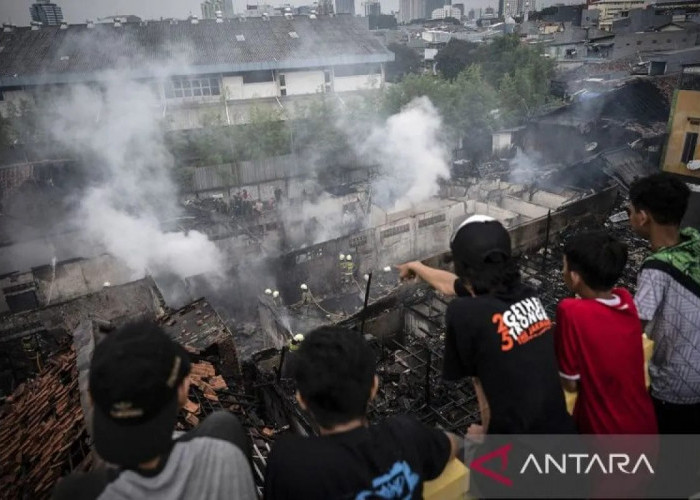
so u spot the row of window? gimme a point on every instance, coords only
(192, 87)
(183, 87)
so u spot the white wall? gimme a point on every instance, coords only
(235, 89)
(501, 141)
(358, 82)
(304, 82)
(258, 90)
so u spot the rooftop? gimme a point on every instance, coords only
(160, 48)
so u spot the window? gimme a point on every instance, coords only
(258, 77)
(283, 81)
(283, 92)
(691, 141)
(327, 76)
(192, 87)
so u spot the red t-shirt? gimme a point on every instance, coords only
(599, 344)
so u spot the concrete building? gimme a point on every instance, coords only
(46, 13)
(641, 20)
(345, 7)
(373, 8)
(232, 64)
(410, 10)
(211, 7)
(446, 11)
(682, 153)
(614, 9)
(630, 44)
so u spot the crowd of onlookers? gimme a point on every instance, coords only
(497, 333)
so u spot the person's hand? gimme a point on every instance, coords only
(405, 271)
(476, 433)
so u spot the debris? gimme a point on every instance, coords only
(191, 407)
(619, 217)
(203, 369)
(217, 383)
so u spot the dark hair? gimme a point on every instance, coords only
(664, 196)
(491, 277)
(335, 370)
(598, 257)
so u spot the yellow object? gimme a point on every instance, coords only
(452, 484)
(647, 345)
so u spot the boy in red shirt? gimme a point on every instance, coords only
(598, 340)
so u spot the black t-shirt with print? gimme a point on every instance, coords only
(387, 460)
(506, 341)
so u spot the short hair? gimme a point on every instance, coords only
(664, 196)
(597, 257)
(491, 277)
(334, 372)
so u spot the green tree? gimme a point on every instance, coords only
(266, 134)
(406, 61)
(456, 56)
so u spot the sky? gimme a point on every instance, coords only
(77, 11)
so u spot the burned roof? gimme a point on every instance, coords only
(197, 326)
(161, 48)
(43, 431)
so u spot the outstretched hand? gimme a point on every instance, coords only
(405, 271)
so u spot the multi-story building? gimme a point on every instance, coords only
(614, 9)
(445, 12)
(211, 7)
(410, 10)
(682, 152)
(345, 7)
(232, 65)
(373, 8)
(46, 13)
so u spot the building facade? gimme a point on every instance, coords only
(234, 65)
(682, 153)
(410, 10)
(211, 7)
(630, 44)
(614, 9)
(46, 13)
(373, 8)
(345, 7)
(445, 12)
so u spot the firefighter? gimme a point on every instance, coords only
(296, 341)
(349, 270)
(341, 267)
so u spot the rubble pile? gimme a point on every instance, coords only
(43, 432)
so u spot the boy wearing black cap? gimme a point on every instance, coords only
(498, 333)
(335, 376)
(138, 382)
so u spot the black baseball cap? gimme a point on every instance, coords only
(134, 379)
(480, 240)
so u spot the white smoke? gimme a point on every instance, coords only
(411, 154)
(525, 167)
(117, 131)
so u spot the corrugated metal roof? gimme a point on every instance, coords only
(79, 53)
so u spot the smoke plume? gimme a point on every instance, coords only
(411, 155)
(117, 132)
